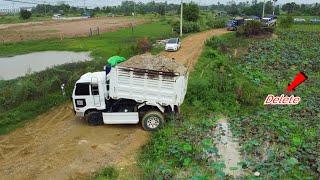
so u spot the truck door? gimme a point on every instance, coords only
(95, 92)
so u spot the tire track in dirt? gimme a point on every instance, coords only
(56, 145)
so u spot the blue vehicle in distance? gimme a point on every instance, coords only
(233, 24)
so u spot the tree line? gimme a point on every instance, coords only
(231, 8)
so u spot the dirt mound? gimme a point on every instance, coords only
(157, 63)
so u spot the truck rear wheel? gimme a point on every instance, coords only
(94, 118)
(152, 121)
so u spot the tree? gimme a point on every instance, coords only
(233, 9)
(161, 9)
(191, 12)
(290, 7)
(25, 14)
(127, 7)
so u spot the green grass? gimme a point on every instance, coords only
(24, 98)
(306, 27)
(16, 19)
(108, 173)
(277, 141)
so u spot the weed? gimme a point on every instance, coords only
(109, 173)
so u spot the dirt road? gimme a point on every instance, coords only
(192, 47)
(62, 28)
(58, 146)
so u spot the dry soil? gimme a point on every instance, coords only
(63, 28)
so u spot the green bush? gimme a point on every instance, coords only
(144, 45)
(108, 173)
(216, 23)
(187, 27)
(251, 28)
(286, 22)
(25, 14)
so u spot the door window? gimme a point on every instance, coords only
(94, 89)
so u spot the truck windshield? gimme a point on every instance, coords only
(82, 89)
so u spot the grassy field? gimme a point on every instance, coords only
(11, 19)
(306, 27)
(277, 141)
(26, 97)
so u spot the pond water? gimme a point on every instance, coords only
(20, 65)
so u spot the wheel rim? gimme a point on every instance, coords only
(153, 122)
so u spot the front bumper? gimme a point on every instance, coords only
(171, 48)
(80, 114)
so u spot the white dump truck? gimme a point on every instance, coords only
(129, 95)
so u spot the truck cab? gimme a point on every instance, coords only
(90, 92)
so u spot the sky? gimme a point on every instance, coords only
(94, 3)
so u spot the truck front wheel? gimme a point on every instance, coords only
(94, 118)
(152, 120)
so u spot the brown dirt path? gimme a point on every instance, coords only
(57, 146)
(191, 47)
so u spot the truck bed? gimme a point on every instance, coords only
(141, 85)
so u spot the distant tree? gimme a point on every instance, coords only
(162, 9)
(233, 9)
(290, 7)
(127, 7)
(25, 14)
(191, 12)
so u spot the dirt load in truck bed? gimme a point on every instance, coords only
(156, 63)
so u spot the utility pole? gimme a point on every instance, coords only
(263, 9)
(181, 14)
(274, 6)
(45, 8)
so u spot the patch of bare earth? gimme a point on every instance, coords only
(228, 148)
(63, 28)
(55, 145)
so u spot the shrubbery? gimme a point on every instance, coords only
(25, 14)
(187, 27)
(253, 28)
(250, 28)
(216, 23)
(144, 45)
(286, 22)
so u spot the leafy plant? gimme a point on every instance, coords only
(109, 173)
(286, 22)
(187, 27)
(25, 14)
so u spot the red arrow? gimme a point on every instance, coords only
(300, 78)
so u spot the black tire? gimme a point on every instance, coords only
(152, 121)
(95, 118)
